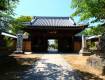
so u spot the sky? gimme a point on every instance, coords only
(44, 8)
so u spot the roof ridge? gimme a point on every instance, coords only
(51, 17)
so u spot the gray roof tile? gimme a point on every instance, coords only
(52, 21)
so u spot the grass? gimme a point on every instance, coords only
(79, 64)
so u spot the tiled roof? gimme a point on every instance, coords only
(51, 21)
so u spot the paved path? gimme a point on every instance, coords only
(50, 67)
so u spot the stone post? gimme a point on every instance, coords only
(83, 42)
(19, 45)
(83, 47)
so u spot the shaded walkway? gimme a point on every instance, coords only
(50, 67)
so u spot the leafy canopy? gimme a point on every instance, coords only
(92, 11)
(98, 30)
(6, 13)
(87, 9)
(17, 24)
(8, 5)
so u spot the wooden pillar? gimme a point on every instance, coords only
(59, 45)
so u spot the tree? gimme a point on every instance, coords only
(88, 9)
(6, 11)
(17, 24)
(8, 6)
(94, 31)
(95, 10)
(92, 11)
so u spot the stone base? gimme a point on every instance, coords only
(18, 51)
(84, 53)
(27, 53)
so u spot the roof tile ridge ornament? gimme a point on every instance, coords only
(74, 23)
(33, 20)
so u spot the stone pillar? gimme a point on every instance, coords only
(19, 45)
(84, 47)
(83, 42)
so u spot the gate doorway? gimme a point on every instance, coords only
(44, 29)
(52, 45)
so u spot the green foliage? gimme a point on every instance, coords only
(17, 23)
(24, 18)
(6, 11)
(56, 44)
(8, 5)
(92, 11)
(14, 26)
(8, 42)
(94, 31)
(87, 9)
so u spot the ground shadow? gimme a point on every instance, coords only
(87, 76)
(11, 69)
(49, 71)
